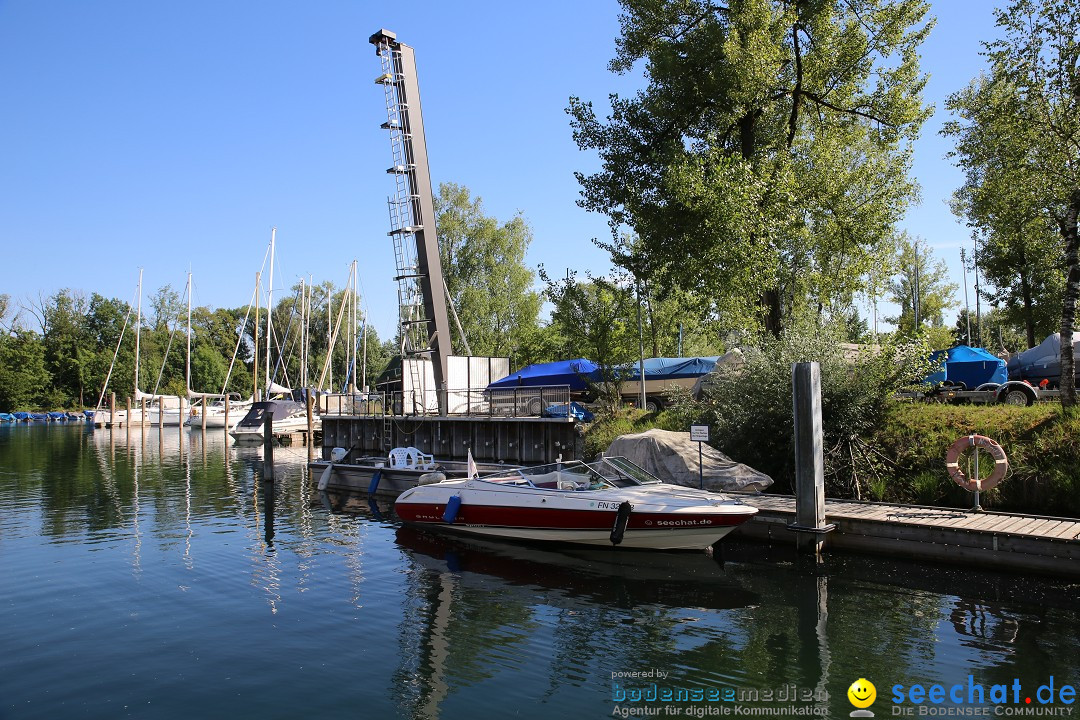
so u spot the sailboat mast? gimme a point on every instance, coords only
(138, 326)
(303, 318)
(270, 307)
(330, 334)
(255, 341)
(355, 323)
(307, 331)
(363, 376)
(187, 361)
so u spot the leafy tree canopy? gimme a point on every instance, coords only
(484, 267)
(766, 161)
(1018, 138)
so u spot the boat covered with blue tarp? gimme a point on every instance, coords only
(667, 368)
(967, 365)
(563, 372)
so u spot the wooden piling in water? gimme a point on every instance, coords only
(307, 439)
(268, 446)
(809, 458)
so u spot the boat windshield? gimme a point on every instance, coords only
(604, 474)
(623, 472)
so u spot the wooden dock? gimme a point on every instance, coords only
(1003, 541)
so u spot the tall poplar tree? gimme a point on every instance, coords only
(1018, 138)
(483, 263)
(766, 161)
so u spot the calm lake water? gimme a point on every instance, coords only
(148, 577)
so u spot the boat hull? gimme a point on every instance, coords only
(695, 538)
(283, 426)
(661, 518)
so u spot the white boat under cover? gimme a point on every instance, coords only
(610, 502)
(289, 417)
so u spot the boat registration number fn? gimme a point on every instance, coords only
(602, 505)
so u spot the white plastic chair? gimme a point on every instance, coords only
(399, 458)
(421, 461)
(409, 458)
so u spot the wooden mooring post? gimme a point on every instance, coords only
(809, 459)
(268, 446)
(309, 439)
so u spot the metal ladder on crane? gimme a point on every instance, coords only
(405, 221)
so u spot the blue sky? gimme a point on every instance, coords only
(175, 135)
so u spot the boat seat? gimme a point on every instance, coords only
(555, 481)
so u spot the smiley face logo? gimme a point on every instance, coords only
(862, 693)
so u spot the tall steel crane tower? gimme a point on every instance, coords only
(422, 316)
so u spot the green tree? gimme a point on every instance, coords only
(105, 323)
(595, 319)
(677, 321)
(220, 329)
(1026, 113)
(5, 306)
(208, 368)
(766, 162)
(484, 266)
(1018, 244)
(1000, 333)
(24, 378)
(923, 292)
(67, 350)
(162, 361)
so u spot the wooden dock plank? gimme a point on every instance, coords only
(1067, 530)
(869, 513)
(969, 521)
(1037, 527)
(978, 521)
(1047, 528)
(990, 538)
(1012, 524)
(943, 519)
(852, 510)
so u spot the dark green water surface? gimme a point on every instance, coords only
(164, 576)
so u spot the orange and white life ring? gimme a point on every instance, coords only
(952, 458)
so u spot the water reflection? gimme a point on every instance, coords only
(610, 576)
(185, 560)
(795, 630)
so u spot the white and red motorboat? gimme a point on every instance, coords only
(610, 502)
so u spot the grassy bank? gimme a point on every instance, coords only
(903, 460)
(1042, 443)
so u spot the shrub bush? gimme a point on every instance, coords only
(749, 408)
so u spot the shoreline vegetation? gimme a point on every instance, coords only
(903, 460)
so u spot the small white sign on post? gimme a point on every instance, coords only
(699, 434)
